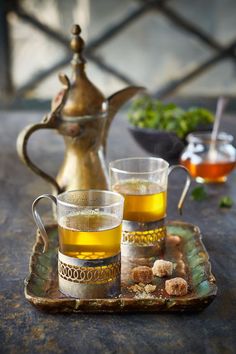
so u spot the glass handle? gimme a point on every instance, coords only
(38, 220)
(186, 186)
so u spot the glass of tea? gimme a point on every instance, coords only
(207, 161)
(89, 231)
(143, 184)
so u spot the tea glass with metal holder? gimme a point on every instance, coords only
(143, 182)
(89, 230)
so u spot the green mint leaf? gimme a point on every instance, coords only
(198, 193)
(226, 202)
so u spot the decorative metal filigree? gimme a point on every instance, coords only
(89, 275)
(145, 238)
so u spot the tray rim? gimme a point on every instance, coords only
(149, 304)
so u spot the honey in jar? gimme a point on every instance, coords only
(206, 165)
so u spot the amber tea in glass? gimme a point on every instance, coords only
(89, 223)
(143, 184)
(89, 229)
(144, 200)
(89, 236)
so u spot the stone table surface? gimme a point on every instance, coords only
(23, 329)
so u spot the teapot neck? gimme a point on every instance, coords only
(78, 71)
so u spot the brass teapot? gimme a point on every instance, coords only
(83, 116)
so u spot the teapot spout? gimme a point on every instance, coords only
(115, 102)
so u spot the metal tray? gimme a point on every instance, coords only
(189, 255)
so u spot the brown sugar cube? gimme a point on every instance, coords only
(162, 268)
(176, 286)
(173, 240)
(142, 274)
(181, 268)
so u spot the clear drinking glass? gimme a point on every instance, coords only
(143, 183)
(89, 231)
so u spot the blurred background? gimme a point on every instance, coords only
(181, 50)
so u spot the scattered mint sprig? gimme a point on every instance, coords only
(199, 193)
(226, 202)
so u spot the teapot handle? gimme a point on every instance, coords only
(48, 122)
(22, 142)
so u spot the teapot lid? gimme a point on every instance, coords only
(84, 98)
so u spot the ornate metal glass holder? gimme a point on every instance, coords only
(143, 239)
(91, 279)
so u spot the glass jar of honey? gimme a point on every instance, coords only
(209, 161)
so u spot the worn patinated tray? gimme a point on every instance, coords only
(189, 255)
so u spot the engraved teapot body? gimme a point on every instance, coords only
(82, 115)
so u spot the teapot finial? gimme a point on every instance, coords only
(77, 45)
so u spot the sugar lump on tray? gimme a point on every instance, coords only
(142, 274)
(176, 286)
(149, 288)
(141, 287)
(162, 268)
(173, 240)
